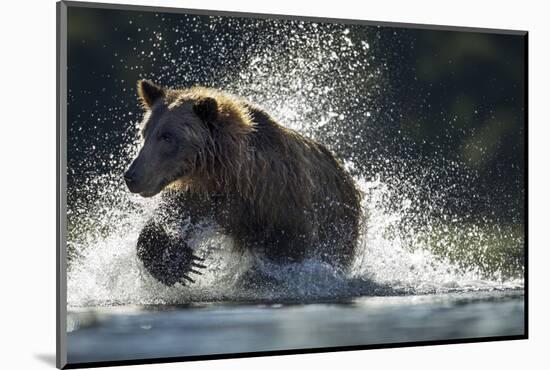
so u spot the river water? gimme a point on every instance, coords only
(156, 331)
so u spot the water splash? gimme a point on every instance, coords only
(107, 271)
(309, 76)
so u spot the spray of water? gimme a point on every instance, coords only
(309, 76)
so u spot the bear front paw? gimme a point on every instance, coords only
(169, 260)
(177, 263)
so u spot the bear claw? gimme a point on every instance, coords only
(193, 269)
(186, 278)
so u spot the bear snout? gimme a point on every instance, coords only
(137, 184)
(130, 177)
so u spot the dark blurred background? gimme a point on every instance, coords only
(444, 108)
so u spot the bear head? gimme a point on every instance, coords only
(176, 130)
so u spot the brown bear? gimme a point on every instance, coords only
(275, 192)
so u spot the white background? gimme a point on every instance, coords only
(27, 182)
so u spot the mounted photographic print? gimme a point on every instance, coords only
(235, 184)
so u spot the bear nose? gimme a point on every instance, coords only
(129, 177)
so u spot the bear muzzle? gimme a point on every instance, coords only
(137, 186)
(133, 181)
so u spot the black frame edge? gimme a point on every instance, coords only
(148, 8)
(526, 187)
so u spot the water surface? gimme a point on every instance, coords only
(156, 331)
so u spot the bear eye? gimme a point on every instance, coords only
(166, 136)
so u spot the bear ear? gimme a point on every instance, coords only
(149, 92)
(206, 108)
